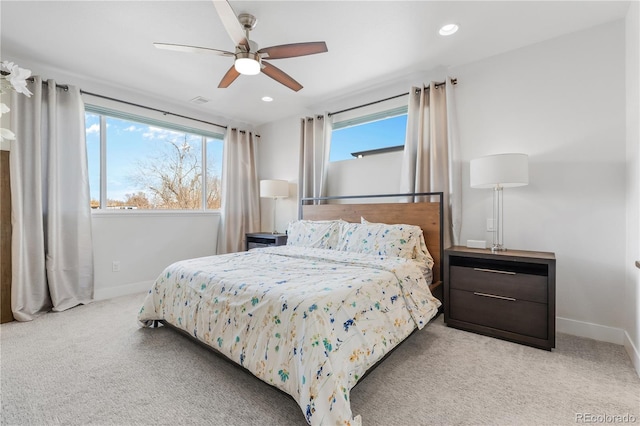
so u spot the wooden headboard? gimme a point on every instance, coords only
(426, 215)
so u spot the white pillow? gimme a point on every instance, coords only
(314, 233)
(380, 239)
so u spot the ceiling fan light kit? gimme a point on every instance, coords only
(247, 63)
(248, 58)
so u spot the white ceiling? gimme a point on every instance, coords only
(369, 42)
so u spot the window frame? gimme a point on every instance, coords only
(110, 112)
(390, 108)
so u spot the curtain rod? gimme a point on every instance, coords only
(83, 92)
(150, 108)
(45, 82)
(454, 81)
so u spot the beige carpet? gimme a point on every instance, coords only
(94, 365)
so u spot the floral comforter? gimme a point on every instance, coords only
(308, 321)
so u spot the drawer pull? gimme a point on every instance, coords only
(493, 296)
(495, 271)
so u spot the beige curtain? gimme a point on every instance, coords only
(240, 194)
(431, 161)
(52, 249)
(315, 140)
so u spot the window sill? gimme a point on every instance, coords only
(152, 213)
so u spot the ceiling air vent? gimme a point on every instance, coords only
(199, 100)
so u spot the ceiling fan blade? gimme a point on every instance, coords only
(228, 78)
(294, 49)
(192, 49)
(231, 23)
(280, 76)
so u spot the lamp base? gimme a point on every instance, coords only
(498, 247)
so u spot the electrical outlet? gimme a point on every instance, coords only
(115, 266)
(490, 227)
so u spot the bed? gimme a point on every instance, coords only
(313, 317)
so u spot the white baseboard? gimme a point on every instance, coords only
(602, 333)
(122, 290)
(633, 352)
(589, 330)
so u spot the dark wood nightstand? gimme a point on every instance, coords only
(264, 239)
(510, 295)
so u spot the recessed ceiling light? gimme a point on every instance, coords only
(448, 29)
(267, 98)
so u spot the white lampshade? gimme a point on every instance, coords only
(504, 170)
(274, 188)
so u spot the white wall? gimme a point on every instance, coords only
(563, 103)
(278, 155)
(557, 103)
(631, 295)
(145, 243)
(354, 177)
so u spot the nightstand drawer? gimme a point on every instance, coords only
(252, 245)
(500, 282)
(517, 316)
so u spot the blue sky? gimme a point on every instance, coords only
(128, 145)
(372, 135)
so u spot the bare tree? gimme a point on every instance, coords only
(173, 180)
(214, 189)
(139, 200)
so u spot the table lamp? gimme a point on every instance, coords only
(498, 172)
(274, 189)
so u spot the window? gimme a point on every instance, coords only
(377, 132)
(135, 163)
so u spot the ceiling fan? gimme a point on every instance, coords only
(249, 59)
